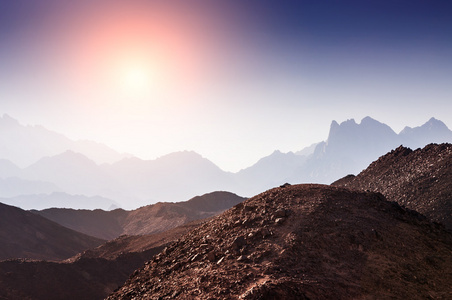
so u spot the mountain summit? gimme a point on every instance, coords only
(24, 145)
(351, 147)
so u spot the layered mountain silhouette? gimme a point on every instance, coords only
(303, 242)
(293, 242)
(149, 219)
(92, 274)
(27, 235)
(96, 272)
(420, 180)
(131, 182)
(41, 201)
(24, 145)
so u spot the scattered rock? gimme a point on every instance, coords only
(420, 180)
(334, 244)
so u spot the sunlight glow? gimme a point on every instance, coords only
(135, 79)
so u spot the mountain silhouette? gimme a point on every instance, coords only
(351, 147)
(24, 145)
(148, 219)
(434, 131)
(40, 201)
(27, 235)
(133, 182)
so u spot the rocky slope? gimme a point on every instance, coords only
(420, 180)
(303, 242)
(27, 235)
(145, 220)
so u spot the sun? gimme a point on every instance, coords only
(135, 79)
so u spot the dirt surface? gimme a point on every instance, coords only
(303, 242)
(420, 180)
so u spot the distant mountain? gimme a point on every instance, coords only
(149, 219)
(269, 172)
(58, 199)
(8, 169)
(434, 131)
(173, 177)
(27, 235)
(74, 173)
(24, 145)
(303, 242)
(351, 147)
(420, 180)
(15, 187)
(133, 182)
(307, 150)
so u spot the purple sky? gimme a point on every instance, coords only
(231, 80)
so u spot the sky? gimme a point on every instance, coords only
(232, 80)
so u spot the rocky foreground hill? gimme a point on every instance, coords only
(303, 242)
(420, 180)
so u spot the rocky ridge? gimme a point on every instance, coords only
(420, 180)
(148, 219)
(303, 242)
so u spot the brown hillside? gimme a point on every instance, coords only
(149, 219)
(420, 180)
(93, 274)
(27, 235)
(303, 242)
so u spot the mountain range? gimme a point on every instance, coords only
(148, 219)
(130, 182)
(87, 271)
(308, 241)
(24, 145)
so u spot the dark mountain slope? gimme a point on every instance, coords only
(93, 274)
(303, 242)
(27, 235)
(99, 223)
(420, 180)
(144, 220)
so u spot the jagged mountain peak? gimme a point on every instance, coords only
(431, 124)
(435, 123)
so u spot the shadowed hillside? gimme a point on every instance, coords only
(27, 235)
(145, 220)
(93, 274)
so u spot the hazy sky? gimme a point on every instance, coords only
(232, 80)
